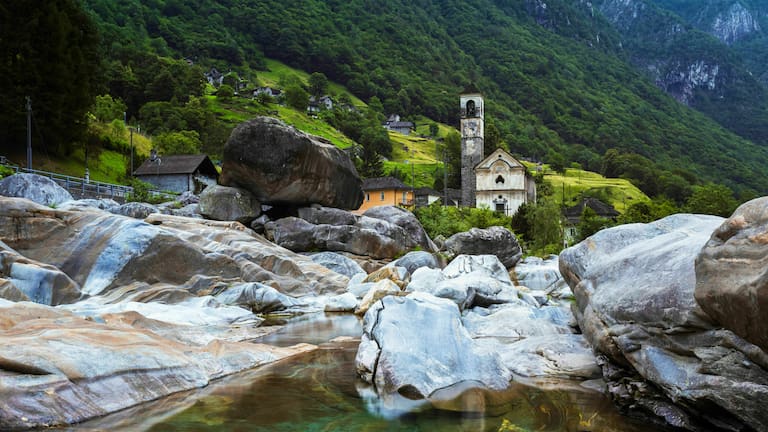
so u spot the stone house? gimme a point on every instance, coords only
(503, 184)
(178, 173)
(381, 191)
(214, 77)
(318, 104)
(393, 123)
(269, 91)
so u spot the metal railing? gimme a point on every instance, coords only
(81, 187)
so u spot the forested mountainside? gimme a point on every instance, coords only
(554, 73)
(691, 59)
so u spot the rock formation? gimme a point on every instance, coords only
(229, 204)
(328, 229)
(495, 240)
(39, 189)
(732, 273)
(283, 166)
(634, 288)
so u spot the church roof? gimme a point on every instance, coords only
(498, 154)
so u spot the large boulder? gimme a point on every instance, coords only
(634, 289)
(732, 273)
(39, 189)
(381, 241)
(224, 203)
(405, 220)
(338, 263)
(281, 165)
(416, 345)
(495, 240)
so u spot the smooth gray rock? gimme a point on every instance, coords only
(338, 263)
(299, 235)
(189, 210)
(415, 260)
(517, 321)
(346, 302)
(540, 275)
(229, 204)
(469, 280)
(405, 220)
(416, 345)
(89, 203)
(358, 286)
(281, 165)
(732, 273)
(259, 298)
(489, 265)
(40, 283)
(566, 356)
(39, 189)
(136, 210)
(634, 288)
(495, 240)
(319, 215)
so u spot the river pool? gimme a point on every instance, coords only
(319, 391)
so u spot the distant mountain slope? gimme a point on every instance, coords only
(694, 67)
(742, 24)
(554, 77)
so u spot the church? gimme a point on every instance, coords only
(499, 182)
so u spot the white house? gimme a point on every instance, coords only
(503, 184)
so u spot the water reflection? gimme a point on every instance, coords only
(319, 391)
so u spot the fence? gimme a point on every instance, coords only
(84, 188)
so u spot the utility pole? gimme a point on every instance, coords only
(131, 130)
(29, 133)
(445, 177)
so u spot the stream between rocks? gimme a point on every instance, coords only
(319, 391)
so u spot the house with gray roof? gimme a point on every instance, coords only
(178, 173)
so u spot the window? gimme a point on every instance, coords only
(499, 179)
(367, 196)
(405, 197)
(471, 110)
(382, 196)
(500, 207)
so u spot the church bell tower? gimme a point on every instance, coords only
(472, 147)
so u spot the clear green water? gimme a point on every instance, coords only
(319, 391)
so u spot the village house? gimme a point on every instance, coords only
(318, 104)
(503, 184)
(381, 191)
(425, 196)
(573, 215)
(214, 77)
(393, 123)
(269, 91)
(178, 173)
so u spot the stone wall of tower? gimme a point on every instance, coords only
(472, 143)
